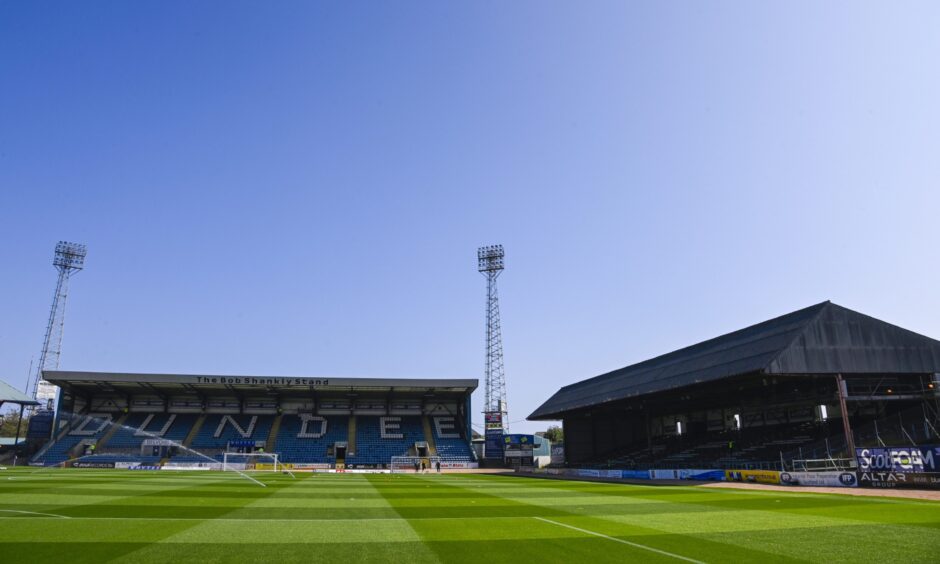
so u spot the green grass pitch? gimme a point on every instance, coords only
(71, 516)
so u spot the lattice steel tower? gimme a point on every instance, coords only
(69, 259)
(490, 264)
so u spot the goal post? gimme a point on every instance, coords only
(250, 461)
(404, 464)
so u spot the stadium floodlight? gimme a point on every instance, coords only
(69, 258)
(69, 255)
(490, 259)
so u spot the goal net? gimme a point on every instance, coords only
(402, 464)
(254, 461)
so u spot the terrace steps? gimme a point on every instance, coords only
(351, 439)
(429, 435)
(271, 443)
(103, 441)
(195, 430)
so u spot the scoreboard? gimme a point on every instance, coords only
(493, 446)
(518, 449)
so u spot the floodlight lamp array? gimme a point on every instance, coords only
(69, 255)
(490, 259)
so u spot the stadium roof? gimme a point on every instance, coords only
(822, 339)
(162, 384)
(9, 394)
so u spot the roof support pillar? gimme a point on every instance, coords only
(593, 435)
(564, 439)
(16, 441)
(846, 424)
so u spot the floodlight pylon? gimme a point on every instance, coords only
(69, 258)
(490, 263)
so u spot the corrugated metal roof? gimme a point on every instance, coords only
(10, 394)
(822, 339)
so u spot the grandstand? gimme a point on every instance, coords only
(812, 385)
(172, 420)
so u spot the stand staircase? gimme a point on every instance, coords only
(270, 444)
(189, 438)
(111, 430)
(429, 435)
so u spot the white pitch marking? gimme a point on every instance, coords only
(238, 520)
(615, 539)
(33, 513)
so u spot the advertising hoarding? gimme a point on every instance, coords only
(311, 466)
(899, 459)
(458, 465)
(829, 479)
(81, 464)
(758, 476)
(688, 474)
(916, 480)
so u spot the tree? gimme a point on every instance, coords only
(555, 434)
(9, 420)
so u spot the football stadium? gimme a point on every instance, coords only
(808, 437)
(279, 351)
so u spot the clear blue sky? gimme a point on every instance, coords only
(300, 189)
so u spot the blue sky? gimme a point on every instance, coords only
(300, 189)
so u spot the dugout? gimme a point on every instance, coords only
(815, 383)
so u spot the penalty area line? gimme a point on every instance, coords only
(615, 539)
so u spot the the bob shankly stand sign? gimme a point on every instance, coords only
(263, 381)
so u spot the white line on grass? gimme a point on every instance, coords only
(615, 539)
(33, 513)
(276, 520)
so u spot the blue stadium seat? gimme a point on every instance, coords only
(294, 449)
(113, 458)
(83, 427)
(373, 448)
(213, 446)
(127, 439)
(449, 447)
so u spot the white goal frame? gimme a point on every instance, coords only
(406, 464)
(228, 465)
